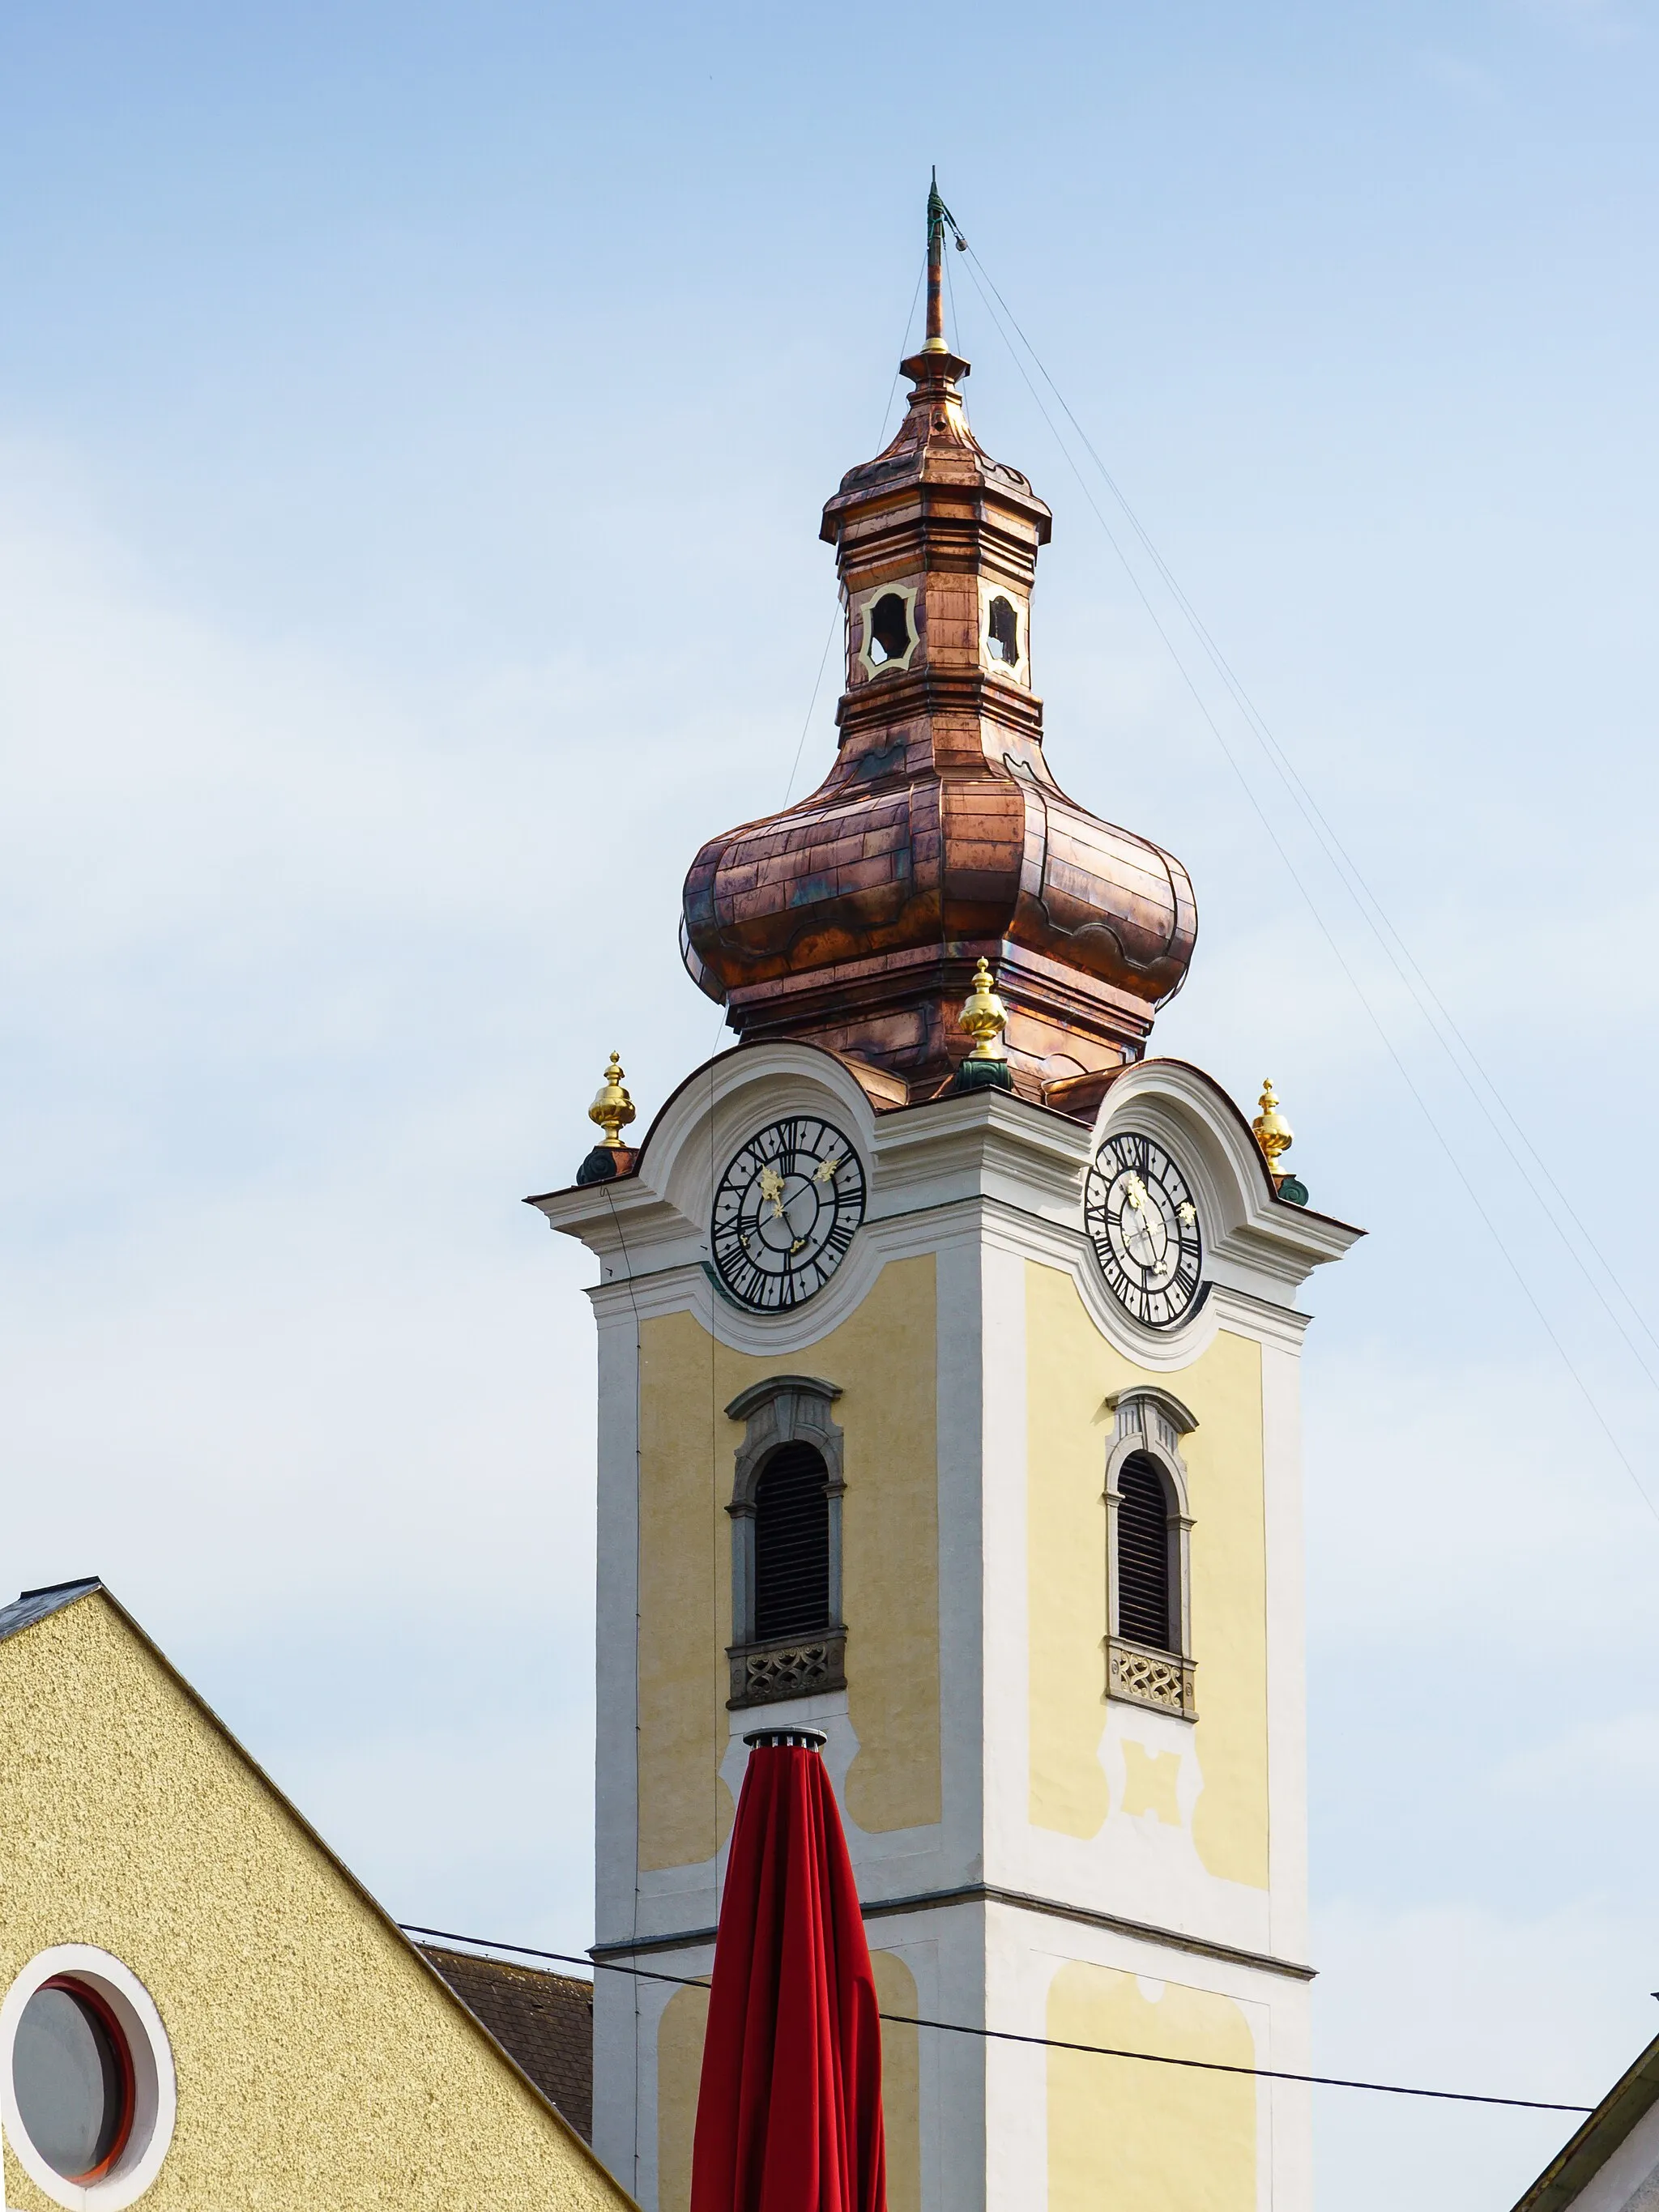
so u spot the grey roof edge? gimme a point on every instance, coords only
(1628, 2100)
(32, 1605)
(64, 1595)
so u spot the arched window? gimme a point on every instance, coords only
(1149, 1629)
(1146, 1607)
(788, 1639)
(792, 1544)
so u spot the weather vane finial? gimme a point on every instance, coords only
(935, 341)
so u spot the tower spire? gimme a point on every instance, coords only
(935, 341)
(939, 838)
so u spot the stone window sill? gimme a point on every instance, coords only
(1162, 1680)
(789, 1667)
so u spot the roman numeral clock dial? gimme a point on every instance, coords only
(786, 1211)
(1142, 1221)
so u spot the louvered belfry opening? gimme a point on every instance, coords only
(1144, 1614)
(792, 1544)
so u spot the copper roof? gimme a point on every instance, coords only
(855, 917)
(545, 2023)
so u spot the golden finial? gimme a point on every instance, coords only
(612, 1107)
(984, 1017)
(1272, 1132)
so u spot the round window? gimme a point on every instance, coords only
(72, 2075)
(88, 2092)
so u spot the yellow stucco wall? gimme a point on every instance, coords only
(319, 2062)
(901, 2081)
(679, 2068)
(1070, 1370)
(1171, 2140)
(884, 1358)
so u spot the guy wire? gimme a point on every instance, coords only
(1040, 2042)
(1290, 869)
(1371, 908)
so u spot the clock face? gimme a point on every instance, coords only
(1142, 1220)
(785, 1212)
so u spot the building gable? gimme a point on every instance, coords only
(319, 2058)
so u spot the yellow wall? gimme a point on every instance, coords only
(901, 2081)
(1070, 1370)
(885, 1357)
(319, 2062)
(1171, 2140)
(679, 2067)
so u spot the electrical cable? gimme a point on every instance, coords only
(1290, 869)
(1040, 2042)
(1370, 907)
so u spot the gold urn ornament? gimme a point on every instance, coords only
(612, 1107)
(984, 1018)
(611, 1111)
(1275, 1136)
(983, 1014)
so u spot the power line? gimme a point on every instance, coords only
(975, 268)
(1371, 910)
(1040, 2042)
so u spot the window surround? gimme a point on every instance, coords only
(1011, 671)
(784, 1409)
(863, 607)
(154, 2087)
(1150, 1424)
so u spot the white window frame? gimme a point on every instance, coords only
(154, 2087)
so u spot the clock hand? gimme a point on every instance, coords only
(771, 1183)
(826, 1169)
(1142, 1232)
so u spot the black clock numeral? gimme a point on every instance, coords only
(1151, 1253)
(763, 1269)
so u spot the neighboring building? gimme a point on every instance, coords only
(1611, 2164)
(545, 2023)
(949, 1399)
(203, 2007)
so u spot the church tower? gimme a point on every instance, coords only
(949, 1401)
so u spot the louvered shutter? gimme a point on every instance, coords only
(792, 1544)
(1144, 1614)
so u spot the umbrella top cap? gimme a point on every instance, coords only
(770, 1739)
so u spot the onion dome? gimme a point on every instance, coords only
(857, 917)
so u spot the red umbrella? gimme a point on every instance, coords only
(789, 2110)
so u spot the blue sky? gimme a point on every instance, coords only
(413, 426)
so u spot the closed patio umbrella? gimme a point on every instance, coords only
(789, 2109)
